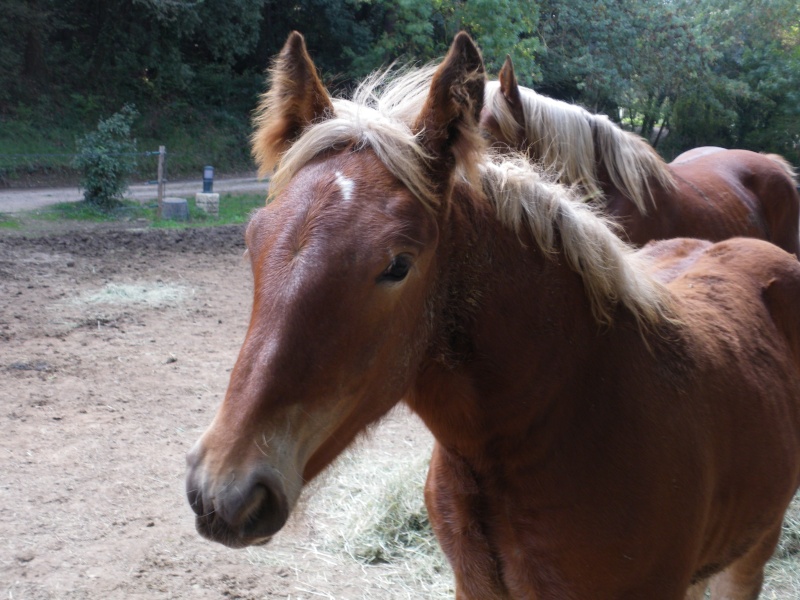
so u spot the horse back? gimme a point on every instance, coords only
(750, 283)
(738, 192)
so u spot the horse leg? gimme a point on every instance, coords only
(743, 578)
(697, 591)
(451, 495)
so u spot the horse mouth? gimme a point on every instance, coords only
(218, 531)
(245, 511)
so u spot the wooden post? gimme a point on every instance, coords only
(162, 157)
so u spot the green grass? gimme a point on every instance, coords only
(8, 222)
(233, 208)
(83, 211)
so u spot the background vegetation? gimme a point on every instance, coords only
(708, 72)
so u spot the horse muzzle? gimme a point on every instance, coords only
(236, 509)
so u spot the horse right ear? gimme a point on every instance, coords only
(448, 122)
(296, 98)
(508, 84)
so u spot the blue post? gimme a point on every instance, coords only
(208, 179)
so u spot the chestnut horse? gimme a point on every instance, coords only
(706, 193)
(609, 424)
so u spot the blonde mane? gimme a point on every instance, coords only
(562, 137)
(378, 118)
(612, 271)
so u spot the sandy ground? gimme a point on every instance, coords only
(24, 199)
(115, 350)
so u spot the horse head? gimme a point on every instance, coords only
(344, 262)
(503, 115)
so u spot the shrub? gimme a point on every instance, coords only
(106, 157)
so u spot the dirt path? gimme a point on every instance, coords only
(115, 350)
(25, 199)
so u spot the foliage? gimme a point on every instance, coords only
(710, 72)
(106, 157)
(501, 27)
(421, 31)
(721, 72)
(750, 94)
(619, 57)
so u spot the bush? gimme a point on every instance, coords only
(106, 158)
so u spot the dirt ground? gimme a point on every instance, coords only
(115, 350)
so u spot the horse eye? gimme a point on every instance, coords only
(397, 269)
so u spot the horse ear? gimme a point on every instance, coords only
(508, 83)
(296, 98)
(448, 121)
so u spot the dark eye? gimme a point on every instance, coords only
(397, 269)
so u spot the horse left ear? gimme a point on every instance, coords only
(296, 98)
(448, 122)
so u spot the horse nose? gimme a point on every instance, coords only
(237, 509)
(193, 484)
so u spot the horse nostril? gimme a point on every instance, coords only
(195, 500)
(266, 512)
(237, 509)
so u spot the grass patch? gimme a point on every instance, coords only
(237, 208)
(233, 209)
(8, 222)
(149, 294)
(85, 211)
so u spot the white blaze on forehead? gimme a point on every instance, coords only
(346, 186)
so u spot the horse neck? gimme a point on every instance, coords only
(617, 200)
(511, 328)
(640, 177)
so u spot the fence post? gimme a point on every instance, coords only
(162, 157)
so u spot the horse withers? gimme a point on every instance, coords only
(705, 193)
(609, 424)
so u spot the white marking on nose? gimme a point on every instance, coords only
(346, 186)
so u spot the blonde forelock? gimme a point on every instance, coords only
(378, 117)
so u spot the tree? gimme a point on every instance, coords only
(106, 157)
(24, 29)
(500, 27)
(751, 97)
